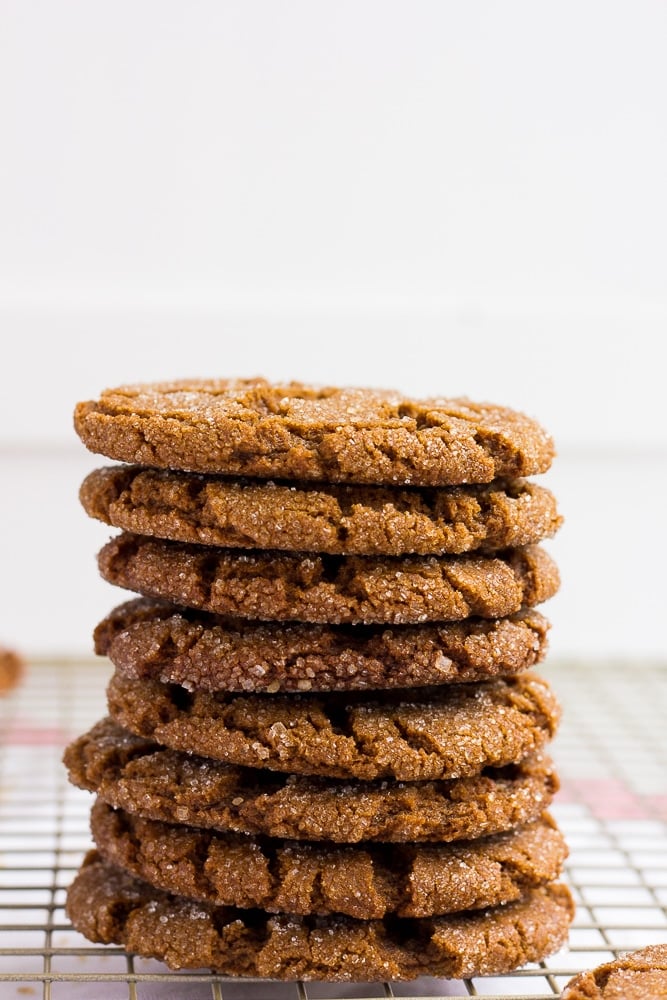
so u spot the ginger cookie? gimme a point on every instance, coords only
(368, 882)
(330, 589)
(352, 520)
(152, 640)
(12, 666)
(251, 427)
(108, 905)
(452, 731)
(640, 975)
(143, 778)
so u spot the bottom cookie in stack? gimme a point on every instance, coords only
(380, 879)
(107, 904)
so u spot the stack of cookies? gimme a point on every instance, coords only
(325, 750)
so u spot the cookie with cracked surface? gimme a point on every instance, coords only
(330, 589)
(251, 427)
(366, 882)
(12, 666)
(639, 975)
(359, 520)
(143, 778)
(150, 639)
(107, 905)
(452, 731)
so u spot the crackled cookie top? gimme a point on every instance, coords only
(451, 731)
(330, 589)
(107, 905)
(252, 427)
(639, 975)
(141, 777)
(152, 640)
(362, 520)
(367, 882)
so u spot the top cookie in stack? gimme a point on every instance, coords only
(290, 541)
(250, 427)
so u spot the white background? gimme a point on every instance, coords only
(448, 198)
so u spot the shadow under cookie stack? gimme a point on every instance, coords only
(325, 755)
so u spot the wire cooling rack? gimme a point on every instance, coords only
(611, 753)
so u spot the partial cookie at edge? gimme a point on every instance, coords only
(639, 975)
(12, 666)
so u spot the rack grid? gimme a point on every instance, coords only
(611, 754)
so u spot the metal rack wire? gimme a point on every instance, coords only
(611, 753)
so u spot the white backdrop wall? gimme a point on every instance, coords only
(443, 197)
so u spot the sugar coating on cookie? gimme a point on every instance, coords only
(140, 776)
(362, 520)
(149, 639)
(639, 975)
(330, 589)
(107, 905)
(366, 882)
(451, 731)
(294, 431)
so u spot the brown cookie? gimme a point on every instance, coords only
(292, 431)
(12, 666)
(453, 731)
(330, 589)
(352, 520)
(153, 640)
(640, 975)
(369, 882)
(141, 777)
(109, 906)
